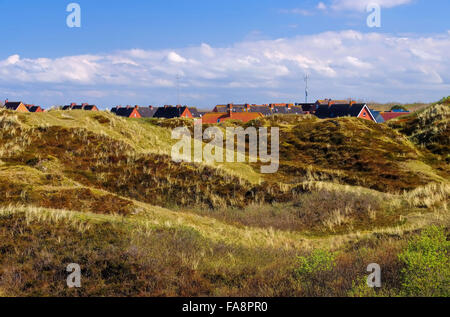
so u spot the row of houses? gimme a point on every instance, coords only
(166, 112)
(84, 106)
(328, 108)
(21, 107)
(323, 109)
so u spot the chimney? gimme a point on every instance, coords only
(73, 104)
(136, 107)
(128, 107)
(6, 101)
(85, 104)
(247, 107)
(272, 106)
(329, 102)
(166, 106)
(151, 107)
(230, 110)
(352, 102)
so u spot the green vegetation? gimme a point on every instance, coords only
(427, 264)
(348, 151)
(398, 107)
(102, 191)
(444, 101)
(429, 129)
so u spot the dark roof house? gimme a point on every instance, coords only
(308, 107)
(169, 112)
(16, 106)
(33, 108)
(264, 110)
(127, 112)
(195, 113)
(325, 111)
(147, 112)
(236, 108)
(83, 106)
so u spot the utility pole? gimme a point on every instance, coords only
(306, 88)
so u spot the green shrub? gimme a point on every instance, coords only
(427, 265)
(445, 100)
(318, 261)
(398, 107)
(316, 273)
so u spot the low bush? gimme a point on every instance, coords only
(427, 264)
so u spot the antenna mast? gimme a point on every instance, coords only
(306, 88)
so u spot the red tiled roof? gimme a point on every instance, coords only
(216, 117)
(392, 115)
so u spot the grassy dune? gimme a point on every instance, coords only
(102, 191)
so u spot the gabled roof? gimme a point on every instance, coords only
(326, 101)
(34, 108)
(170, 112)
(124, 111)
(236, 108)
(12, 105)
(147, 112)
(80, 107)
(339, 110)
(264, 110)
(295, 110)
(195, 113)
(377, 115)
(89, 107)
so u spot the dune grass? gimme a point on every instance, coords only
(101, 191)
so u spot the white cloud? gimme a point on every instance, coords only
(321, 6)
(341, 64)
(174, 57)
(12, 60)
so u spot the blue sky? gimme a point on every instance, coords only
(130, 52)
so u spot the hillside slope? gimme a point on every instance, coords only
(101, 191)
(102, 162)
(350, 151)
(428, 128)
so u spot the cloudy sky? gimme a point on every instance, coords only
(255, 51)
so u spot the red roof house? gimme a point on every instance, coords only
(128, 112)
(33, 108)
(392, 115)
(16, 106)
(217, 117)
